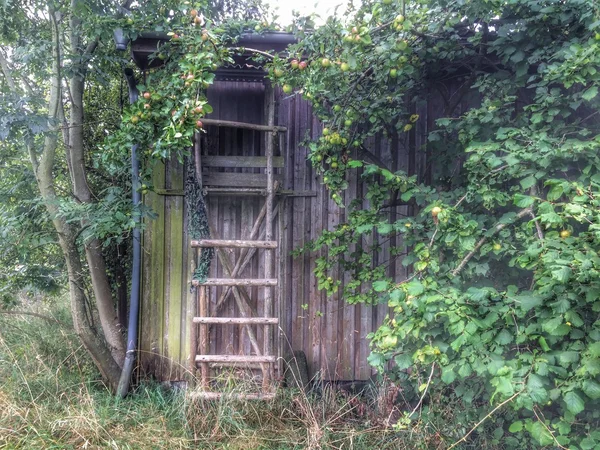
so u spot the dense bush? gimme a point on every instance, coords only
(502, 304)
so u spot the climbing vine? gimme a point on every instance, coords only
(500, 313)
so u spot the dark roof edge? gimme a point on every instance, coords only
(271, 37)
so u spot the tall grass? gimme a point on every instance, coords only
(51, 397)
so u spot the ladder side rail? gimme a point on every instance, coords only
(268, 299)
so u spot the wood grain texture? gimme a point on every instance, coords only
(237, 320)
(330, 332)
(237, 282)
(234, 243)
(240, 161)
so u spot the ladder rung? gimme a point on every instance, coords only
(233, 243)
(238, 320)
(235, 191)
(234, 396)
(237, 365)
(246, 125)
(240, 161)
(235, 358)
(237, 282)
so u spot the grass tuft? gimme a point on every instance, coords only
(51, 397)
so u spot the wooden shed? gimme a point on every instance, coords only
(236, 162)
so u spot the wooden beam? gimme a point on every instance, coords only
(229, 191)
(233, 243)
(236, 396)
(204, 337)
(238, 320)
(217, 190)
(245, 125)
(240, 161)
(235, 358)
(243, 180)
(237, 282)
(270, 141)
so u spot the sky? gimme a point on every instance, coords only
(305, 7)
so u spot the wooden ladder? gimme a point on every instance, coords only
(264, 357)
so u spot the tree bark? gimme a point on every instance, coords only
(105, 356)
(93, 248)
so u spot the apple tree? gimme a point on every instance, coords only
(64, 145)
(500, 315)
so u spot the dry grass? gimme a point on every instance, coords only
(51, 397)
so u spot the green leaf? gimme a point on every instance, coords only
(504, 337)
(587, 444)
(503, 385)
(376, 360)
(552, 324)
(563, 274)
(527, 182)
(590, 93)
(541, 434)
(355, 163)
(415, 288)
(384, 228)
(397, 296)
(380, 286)
(528, 302)
(403, 361)
(523, 201)
(543, 344)
(574, 402)
(515, 427)
(448, 375)
(536, 388)
(591, 389)
(364, 228)
(555, 193)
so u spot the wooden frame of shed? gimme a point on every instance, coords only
(331, 333)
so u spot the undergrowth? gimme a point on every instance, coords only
(51, 397)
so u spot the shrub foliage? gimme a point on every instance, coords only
(502, 304)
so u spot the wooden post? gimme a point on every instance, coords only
(281, 286)
(268, 302)
(203, 312)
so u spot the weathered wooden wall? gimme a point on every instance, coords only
(330, 332)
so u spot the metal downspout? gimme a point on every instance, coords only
(134, 302)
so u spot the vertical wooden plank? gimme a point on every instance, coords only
(381, 255)
(368, 312)
(281, 288)
(268, 305)
(204, 345)
(153, 313)
(347, 331)
(306, 128)
(175, 271)
(150, 342)
(288, 319)
(319, 208)
(330, 338)
(299, 314)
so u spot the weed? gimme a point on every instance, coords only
(51, 397)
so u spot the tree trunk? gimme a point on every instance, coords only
(102, 355)
(93, 248)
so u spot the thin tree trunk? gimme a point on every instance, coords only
(93, 248)
(43, 166)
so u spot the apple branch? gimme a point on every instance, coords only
(252, 50)
(508, 400)
(424, 391)
(497, 228)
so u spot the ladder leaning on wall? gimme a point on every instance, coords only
(266, 356)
